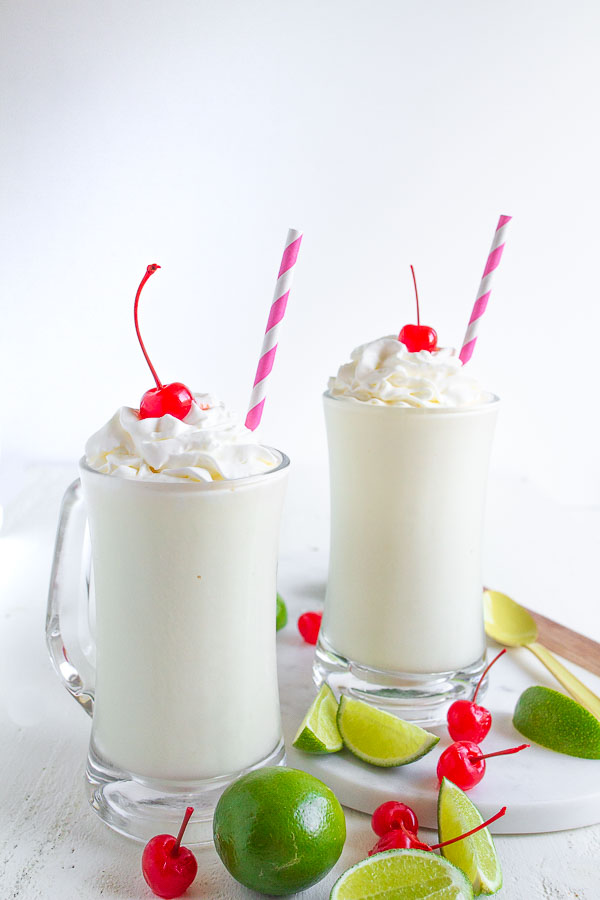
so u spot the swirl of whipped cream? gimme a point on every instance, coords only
(208, 445)
(384, 372)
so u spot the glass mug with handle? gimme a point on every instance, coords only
(168, 640)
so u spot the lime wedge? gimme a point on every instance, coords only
(318, 732)
(281, 618)
(402, 875)
(379, 738)
(475, 855)
(556, 721)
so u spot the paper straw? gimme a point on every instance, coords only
(269, 347)
(485, 289)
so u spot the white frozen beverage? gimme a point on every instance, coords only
(408, 486)
(186, 679)
(409, 438)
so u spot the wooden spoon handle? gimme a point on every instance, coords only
(581, 650)
(573, 685)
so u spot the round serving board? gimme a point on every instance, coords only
(544, 791)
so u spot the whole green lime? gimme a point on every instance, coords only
(281, 615)
(278, 830)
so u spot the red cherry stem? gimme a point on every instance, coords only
(416, 295)
(186, 819)
(149, 271)
(473, 831)
(485, 671)
(476, 758)
(418, 844)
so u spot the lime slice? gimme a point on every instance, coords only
(281, 619)
(556, 721)
(475, 855)
(380, 738)
(402, 875)
(318, 732)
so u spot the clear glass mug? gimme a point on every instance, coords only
(161, 624)
(403, 619)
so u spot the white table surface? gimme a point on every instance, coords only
(53, 846)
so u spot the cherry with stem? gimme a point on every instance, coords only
(463, 763)
(418, 337)
(466, 720)
(173, 399)
(169, 868)
(403, 839)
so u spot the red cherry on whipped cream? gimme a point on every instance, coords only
(418, 337)
(173, 399)
(169, 868)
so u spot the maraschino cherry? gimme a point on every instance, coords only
(466, 720)
(174, 399)
(169, 868)
(398, 839)
(309, 624)
(402, 839)
(392, 815)
(418, 337)
(464, 764)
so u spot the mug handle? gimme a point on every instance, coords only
(68, 634)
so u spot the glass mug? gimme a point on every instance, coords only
(403, 619)
(168, 639)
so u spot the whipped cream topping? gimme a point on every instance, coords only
(208, 445)
(384, 372)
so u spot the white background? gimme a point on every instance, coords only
(194, 133)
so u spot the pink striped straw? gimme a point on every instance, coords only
(269, 347)
(485, 289)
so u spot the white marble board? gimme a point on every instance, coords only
(542, 790)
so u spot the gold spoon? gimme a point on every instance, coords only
(508, 623)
